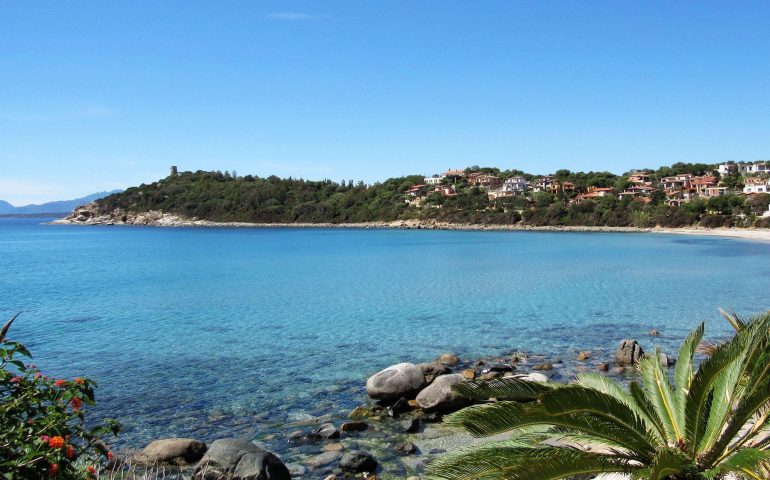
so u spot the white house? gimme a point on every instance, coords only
(514, 186)
(727, 168)
(433, 181)
(756, 185)
(756, 167)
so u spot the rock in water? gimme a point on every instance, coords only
(400, 380)
(358, 461)
(175, 451)
(405, 448)
(432, 370)
(449, 359)
(236, 459)
(629, 353)
(328, 431)
(438, 396)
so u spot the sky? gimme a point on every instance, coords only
(102, 95)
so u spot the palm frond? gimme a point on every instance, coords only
(667, 462)
(513, 462)
(644, 403)
(658, 391)
(502, 389)
(683, 373)
(7, 326)
(746, 462)
(733, 318)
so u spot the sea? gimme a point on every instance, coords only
(215, 332)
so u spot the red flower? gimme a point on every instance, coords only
(15, 379)
(70, 451)
(56, 442)
(76, 403)
(91, 470)
(60, 383)
(80, 381)
(53, 469)
(44, 438)
(109, 456)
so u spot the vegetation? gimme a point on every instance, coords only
(43, 431)
(711, 422)
(226, 197)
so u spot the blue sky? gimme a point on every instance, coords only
(102, 95)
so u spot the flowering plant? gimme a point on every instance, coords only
(43, 432)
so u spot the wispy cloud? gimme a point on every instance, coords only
(83, 113)
(296, 16)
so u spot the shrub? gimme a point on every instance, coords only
(43, 432)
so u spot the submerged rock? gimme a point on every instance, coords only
(410, 426)
(400, 380)
(405, 448)
(237, 459)
(358, 461)
(354, 426)
(449, 359)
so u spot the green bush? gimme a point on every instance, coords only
(43, 432)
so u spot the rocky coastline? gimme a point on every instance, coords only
(394, 432)
(92, 214)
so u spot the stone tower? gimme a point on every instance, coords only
(173, 171)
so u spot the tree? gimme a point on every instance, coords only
(711, 422)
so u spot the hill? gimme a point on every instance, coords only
(57, 207)
(677, 196)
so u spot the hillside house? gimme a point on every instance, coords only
(640, 178)
(756, 185)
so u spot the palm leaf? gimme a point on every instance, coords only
(658, 391)
(502, 389)
(667, 462)
(514, 462)
(683, 373)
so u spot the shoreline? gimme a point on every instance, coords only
(158, 219)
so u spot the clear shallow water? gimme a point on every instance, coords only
(213, 332)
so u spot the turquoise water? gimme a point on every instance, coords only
(212, 332)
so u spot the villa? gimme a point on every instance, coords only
(756, 185)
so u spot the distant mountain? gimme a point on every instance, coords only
(63, 206)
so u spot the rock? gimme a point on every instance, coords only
(519, 357)
(323, 459)
(299, 437)
(401, 406)
(498, 367)
(401, 380)
(449, 359)
(176, 451)
(558, 361)
(327, 431)
(354, 426)
(583, 356)
(410, 426)
(358, 461)
(629, 353)
(618, 370)
(312, 421)
(604, 367)
(359, 412)
(432, 417)
(432, 370)
(412, 404)
(405, 448)
(543, 366)
(436, 451)
(333, 447)
(332, 477)
(480, 363)
(439, 396)
(491, 375)
(533, 377)
(239, 459)
(653, 333)
(664, 360)
(296, 470)
(469, 373)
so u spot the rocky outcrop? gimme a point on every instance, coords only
(629, 353)
(439, 396)
(397, 381)
(175, 451)
(236, 459)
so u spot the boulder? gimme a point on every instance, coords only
(359, 426)
(438, 396)
(410, 426)
(176, 451)
(432, 370)
(532, 377)
(404, 448)
(358, 461)
(629, 353)
(327, 431)
(543, 366)
(400, 380)
(583, 356)
(237, 459)
(604, 367)
(469, 373)
(449, 359)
